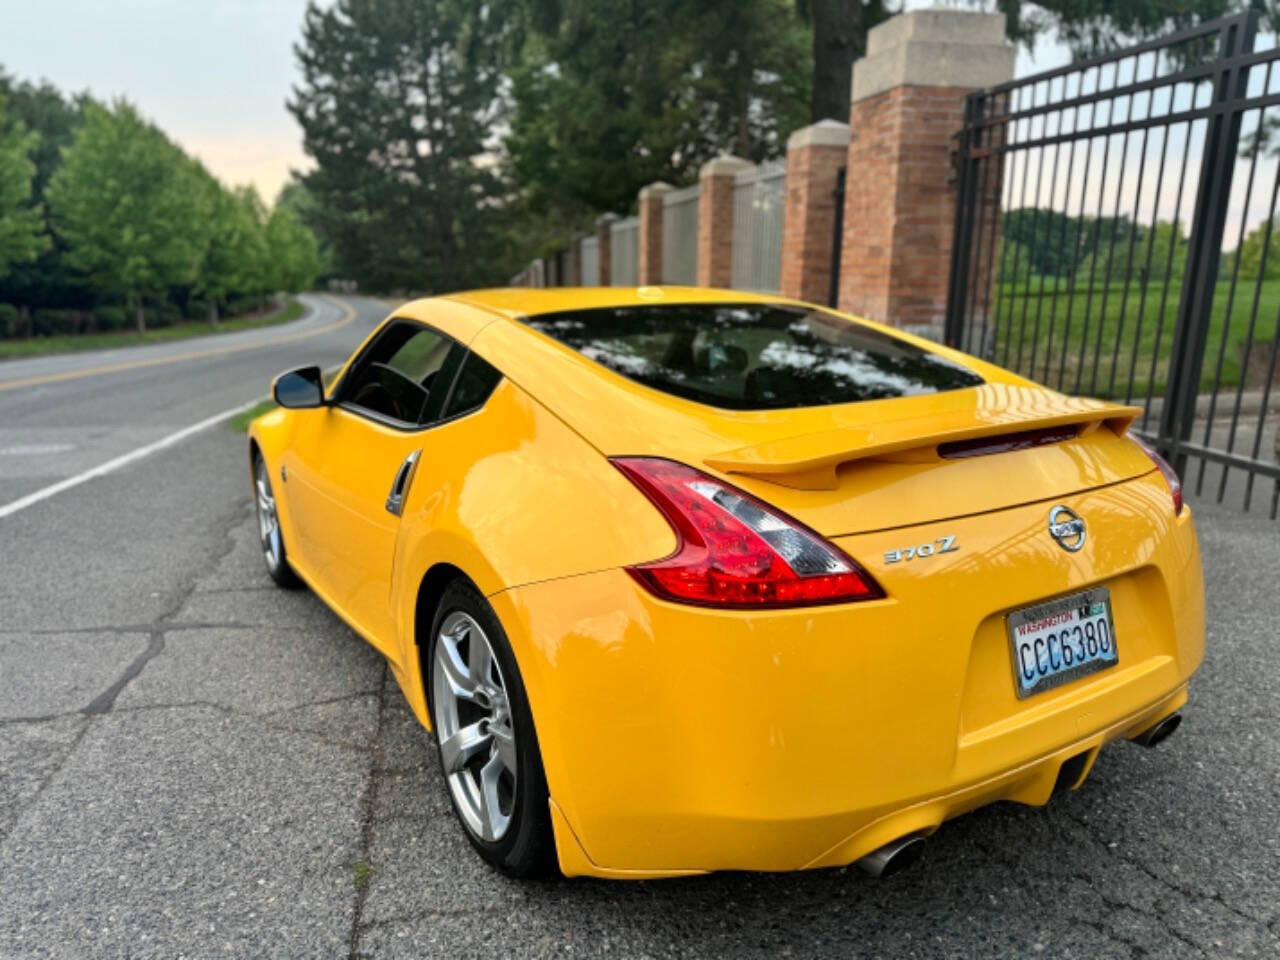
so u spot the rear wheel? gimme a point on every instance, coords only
(484, 729)
(269, 535)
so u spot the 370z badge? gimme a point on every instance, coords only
(922, 550)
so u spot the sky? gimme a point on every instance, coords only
(213, 74)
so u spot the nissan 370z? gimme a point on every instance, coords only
(684, 580)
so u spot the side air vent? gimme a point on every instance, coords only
(1005, 442)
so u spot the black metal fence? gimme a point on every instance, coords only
(1114, 237)
(837, 237)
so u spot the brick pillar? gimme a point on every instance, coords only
(604, 236)
(814, 157)
(715, 220)
(908, 102)
(650, 239)
(573, 263)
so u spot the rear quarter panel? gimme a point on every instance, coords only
(511, 496)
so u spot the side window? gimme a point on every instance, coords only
(402, 372)
(475, 383)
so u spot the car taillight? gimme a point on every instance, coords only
(1170, 477)
(734, 551)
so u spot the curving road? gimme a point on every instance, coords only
(64, 414)
(193, 763)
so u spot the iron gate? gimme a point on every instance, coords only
(1094, 205)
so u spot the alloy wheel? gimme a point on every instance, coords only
(473, 724)
(268, 520)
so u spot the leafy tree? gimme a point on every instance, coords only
(292, 255)
(21, 224)
(1091, 27)
(122, 203)
(612, 94)
(1053, 240)
(1167, 252)
(1250, 254)
(46, 280)
(42, 109)
(254, 274)
(397, 104)
(1013, 262)
(1123, 257)
(233, 242)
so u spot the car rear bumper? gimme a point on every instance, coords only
(679, 739)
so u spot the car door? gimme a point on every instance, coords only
(351, 467)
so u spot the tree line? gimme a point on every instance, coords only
(454, 141)
(1043, 247)
(106, 223)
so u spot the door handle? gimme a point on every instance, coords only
(400, 485)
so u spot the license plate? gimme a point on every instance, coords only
(1056, 642)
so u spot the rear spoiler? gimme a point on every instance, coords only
(810, 461)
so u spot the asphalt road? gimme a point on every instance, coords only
(63, 414)
(193, 763)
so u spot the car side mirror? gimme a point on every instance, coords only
(299, 389)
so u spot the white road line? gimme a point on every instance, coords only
(112, 465)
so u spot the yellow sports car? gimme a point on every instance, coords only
(686, 580)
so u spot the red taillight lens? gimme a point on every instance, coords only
(1170, 477)
(733, 550)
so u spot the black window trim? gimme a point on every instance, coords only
(400, 425)
(530, 321)
(462, 365)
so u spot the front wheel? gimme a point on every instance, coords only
(269, 534)
(484, 729)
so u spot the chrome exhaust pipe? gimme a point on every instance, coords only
(894, 857)
(1160, 732)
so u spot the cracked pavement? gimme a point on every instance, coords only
(194, 763)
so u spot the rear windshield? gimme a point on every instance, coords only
(753, 356)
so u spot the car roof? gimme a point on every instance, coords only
(463, 315)
(518, 302)
(619, 416)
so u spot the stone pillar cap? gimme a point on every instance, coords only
(824, 133)
(655, 189)
(605, 218)
(937, 23)
(935, 48)
(724, 167)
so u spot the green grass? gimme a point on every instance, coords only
(39, 346)
(241, 421)
(1127, 329)
(363, 874)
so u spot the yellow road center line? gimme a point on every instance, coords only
(348, 311)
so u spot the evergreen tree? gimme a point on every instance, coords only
(611, 95)
(398, 105)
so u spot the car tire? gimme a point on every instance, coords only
(270, 536)
(477, 699)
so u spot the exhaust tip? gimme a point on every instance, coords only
(1160, 732)
(893, 857)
